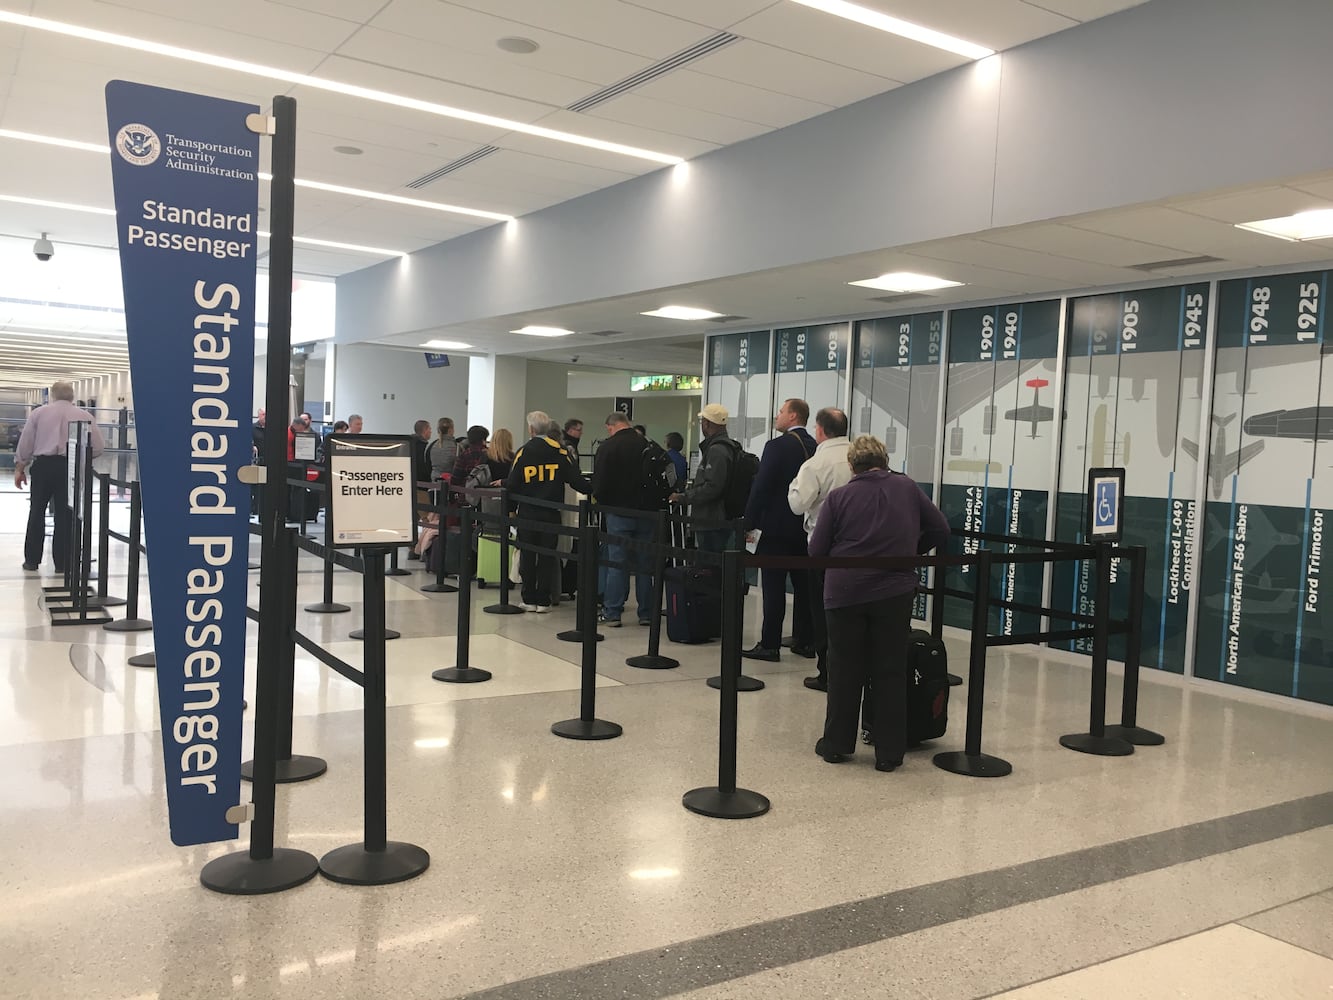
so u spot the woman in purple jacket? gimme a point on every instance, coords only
(869, 611)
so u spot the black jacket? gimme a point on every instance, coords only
(617, 472)
(542, 469)
(767, 508)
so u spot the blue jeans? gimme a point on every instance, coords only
(634, 560)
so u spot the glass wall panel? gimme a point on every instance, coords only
(739, 379)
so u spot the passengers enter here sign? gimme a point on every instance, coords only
(372, 497)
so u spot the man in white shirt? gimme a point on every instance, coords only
(823, 473)
(40, 456)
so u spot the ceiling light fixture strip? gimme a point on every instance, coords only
(142, 45)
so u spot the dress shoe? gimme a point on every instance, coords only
(816, 683)
(806, 652)
(887, 765)
(821, 748)
(758, 652)
(30, 567)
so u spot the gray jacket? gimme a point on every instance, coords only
(442, 454)
(706, 497)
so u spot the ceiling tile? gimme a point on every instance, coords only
(996, 24)
(602, 22)
(1084, 10)
(720, 14)
(359, 11)
(644, 138)
(1082, 244)
(737, 100)
(992, 255)
(251, 18)
(1252, 205)
(785, 72)
(633, 109)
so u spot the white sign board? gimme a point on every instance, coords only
(371, 495)
(304, 450)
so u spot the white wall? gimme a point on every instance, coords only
(392, 389)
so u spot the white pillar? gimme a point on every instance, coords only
(497, 391)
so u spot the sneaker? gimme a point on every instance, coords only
(542, 609)
(531, 607)
(608, 622)
(646, 622)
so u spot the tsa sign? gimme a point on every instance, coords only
(1106, 504)
(372, 497)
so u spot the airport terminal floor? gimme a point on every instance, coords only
(1202, 868)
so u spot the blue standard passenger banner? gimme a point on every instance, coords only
(185, 172)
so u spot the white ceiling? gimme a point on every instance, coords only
(791, 63)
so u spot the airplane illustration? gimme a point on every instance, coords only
(1101, 444)
(972, 465)
(1222, 463)
(1310, 423)
(1036, 413)
(1260, 598)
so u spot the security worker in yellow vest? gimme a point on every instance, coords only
(542, 469)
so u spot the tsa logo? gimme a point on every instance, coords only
(138, 144)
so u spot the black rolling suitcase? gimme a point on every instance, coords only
(927, 687)
(693, 604)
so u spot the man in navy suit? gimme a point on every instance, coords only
(781, 533)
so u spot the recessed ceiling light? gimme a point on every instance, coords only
(906, 281)
(143, 45)
(518, 46)
(1316, 224)
(351, 192)
(349, 150)
(447, 345)
(897, 26)
(683, 312)
(543, 331)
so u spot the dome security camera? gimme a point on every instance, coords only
(43, 249)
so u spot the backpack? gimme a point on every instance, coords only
(740, 477)
(657, 474)
(480, 477)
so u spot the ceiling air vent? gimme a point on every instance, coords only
(449, 168)
(708, 46)
(1171, 265)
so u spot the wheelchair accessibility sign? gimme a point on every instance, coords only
(1106, 504)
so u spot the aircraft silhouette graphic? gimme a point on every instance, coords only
(1222, 463)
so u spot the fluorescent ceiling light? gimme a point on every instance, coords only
(335, 245)
(543, 331)
(447, 345)
(682, 312)
(437, 206)
(67, 205)
(143, 45)
(906, 281)
(1313, 225)
(897, 26)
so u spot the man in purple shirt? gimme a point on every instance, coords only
(869, 611)
(41, 457)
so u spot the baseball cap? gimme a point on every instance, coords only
(714, 413)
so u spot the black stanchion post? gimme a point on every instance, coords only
(971, 761)
(653, 660)
(504, 607)
(328, 606)
(132, 622)
(725, 800)
(745, 682)
(1095, 741)
(442, 540)
(376, 860)
(265, 868)
(394, 569)
(587, 726)
(462, 672)
(585, 602)
(289, 767)
(104, 600)
(1129, 730)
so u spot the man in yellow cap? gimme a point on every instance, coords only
(707, 496)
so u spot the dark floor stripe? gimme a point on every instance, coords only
(719, 958)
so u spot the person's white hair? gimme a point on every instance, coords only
(537, 421)
(63, 390)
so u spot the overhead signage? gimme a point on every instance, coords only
(371, 496)
(185, 173)
(437, 360)
(625, 405)
(1106, 504)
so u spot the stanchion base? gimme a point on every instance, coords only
(743, 683)
(1136, 735)
(107, 602)
(397, 571)
(503, 609)
(1100, 746)
(955, 681)
(464, 675)
(579, 729)
(650, 662)
(360, 633)
(740, 804)
(129, 625)
(354, 865)
(324, 608)
(239, 875)
(297, 767)
(575, 635)
(981, 765)
(439, 588)
(148, 659)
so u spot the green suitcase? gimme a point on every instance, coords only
(488, 561)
